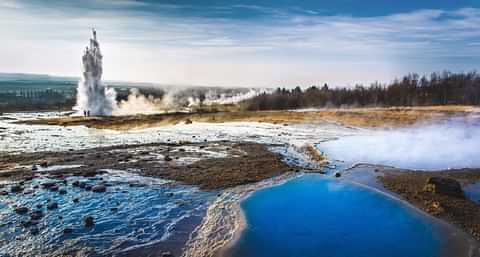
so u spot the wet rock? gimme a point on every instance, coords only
(52, 205)
(16, 189)
(3, 192)
(34, 231)
(48, 185)
(62, 191)
(89, 221)
(21, 210)
(76, 183)
(188, 121)
(28, 223)
(54, 188)
(67, 230)
(167, 158)
(338, 174)
(76, 200)
(88, 187)
(39, 206)
(114, 209)
(36, 215)
(170, 194)
(34, 167)
(28, 191)
(99, 188)
(446, 186)
(44, 164)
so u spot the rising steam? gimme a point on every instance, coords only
(92, 96)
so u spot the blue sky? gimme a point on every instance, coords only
(243, 43)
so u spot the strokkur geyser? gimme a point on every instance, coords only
(92, 97)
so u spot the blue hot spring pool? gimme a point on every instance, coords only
(315, 216)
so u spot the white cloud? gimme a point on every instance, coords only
(288, 48)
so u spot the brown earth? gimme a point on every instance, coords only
(363, 117)
(412, 187)
(244, 163)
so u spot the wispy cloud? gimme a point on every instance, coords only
(290, 46)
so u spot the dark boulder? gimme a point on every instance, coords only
(16, 189)
(99, 188)
(337, 175)
(62, 191)
(52, 205)
(445, 186)
(76, 200)
(89, 221)
(36, 215)
(48, 185)
(21, 210)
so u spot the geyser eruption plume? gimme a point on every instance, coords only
(92, 97)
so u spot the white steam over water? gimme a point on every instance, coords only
(429, 147)
(92, 96)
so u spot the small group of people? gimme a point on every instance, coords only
(86, 113)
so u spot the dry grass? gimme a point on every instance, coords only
(362, 117)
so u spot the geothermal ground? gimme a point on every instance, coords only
(175, 184)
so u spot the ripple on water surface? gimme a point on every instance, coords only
(134, 211)
(314, 216)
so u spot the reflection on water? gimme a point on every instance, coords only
(133, 211)
(314, 216)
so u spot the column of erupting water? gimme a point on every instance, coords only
(92, 97)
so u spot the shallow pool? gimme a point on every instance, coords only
(315, 216)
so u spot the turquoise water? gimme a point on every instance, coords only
(313, 216)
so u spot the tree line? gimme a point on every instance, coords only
(442, 88)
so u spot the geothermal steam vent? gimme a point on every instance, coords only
(92, 97)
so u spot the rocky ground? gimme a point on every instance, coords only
(438, 193)
(209, 165)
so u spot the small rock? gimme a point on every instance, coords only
(36, 215)
(34, 231)
(62, 191)
(76, 200)
(16, 189)
(21, 210)
(89, 221)
(99, 188)
(67, 230)
(114, 209)
(48, 185)
(76, 183)
(39, 206)
(167, 158)
(44, 164)
(188, 121)
(337, 175)
(60, 217)
(34, 167)
(88, 187)
(54, 188)
(3, 192)
(28, 191)
(170, 194)
(52, 205)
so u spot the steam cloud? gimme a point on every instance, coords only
(452, 144)
(96, 99)
(92, 96)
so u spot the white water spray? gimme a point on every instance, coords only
(92, 97)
